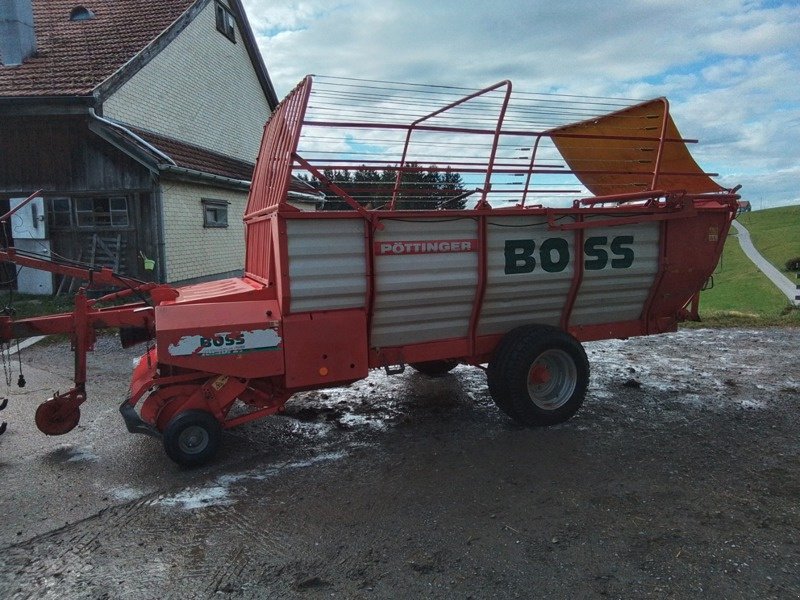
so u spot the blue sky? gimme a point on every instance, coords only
(730, 68)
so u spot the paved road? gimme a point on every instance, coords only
(785, 285)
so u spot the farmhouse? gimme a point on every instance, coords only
(141, 122)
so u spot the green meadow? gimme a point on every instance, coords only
(741, 294)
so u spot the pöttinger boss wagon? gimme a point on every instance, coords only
(439, 250)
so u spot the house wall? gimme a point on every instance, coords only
(201, 89)
(192, 250)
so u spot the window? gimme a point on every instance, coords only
(101, 212)
(60, 212)
(215, 213)
(226, 23)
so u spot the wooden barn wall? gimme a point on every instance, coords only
(60, 154)
(62, 157)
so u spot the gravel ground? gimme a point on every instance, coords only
(679, 478)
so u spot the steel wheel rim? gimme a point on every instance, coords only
(552, 378)
(193, 440)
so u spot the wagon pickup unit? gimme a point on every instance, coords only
(392, 224)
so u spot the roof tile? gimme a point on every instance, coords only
(196, 158)
(74, 57)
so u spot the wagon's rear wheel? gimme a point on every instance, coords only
(435, 368)
(539, 375)
(192, 437)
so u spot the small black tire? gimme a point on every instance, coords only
(435, 368)
(192, 437)
(539, 375)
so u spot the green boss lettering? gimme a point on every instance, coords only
(553, 254)
(596, 251)
(596, 255)
(519, 256)
(625, 255)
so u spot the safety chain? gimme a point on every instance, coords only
(5, 356)
(5, 352)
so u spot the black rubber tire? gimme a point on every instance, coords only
(192, 437)
(495, 377)
(510, 371)
(435, 368)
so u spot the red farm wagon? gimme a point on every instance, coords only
(392, 224)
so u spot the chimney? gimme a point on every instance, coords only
(17, 36)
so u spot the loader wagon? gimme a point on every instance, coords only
(392, 224)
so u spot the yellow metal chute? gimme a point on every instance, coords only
(619, 153)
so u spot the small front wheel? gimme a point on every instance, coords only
(539, 375)
(192, 437)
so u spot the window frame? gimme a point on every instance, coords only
(90, 219)
(56, 214)
(226, 21)
(211, 205)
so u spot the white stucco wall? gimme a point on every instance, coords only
(193, 250)
(201, 89)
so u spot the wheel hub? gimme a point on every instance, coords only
(193, 440)
(539, 374)
(552, 379)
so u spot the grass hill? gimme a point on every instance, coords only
(776, 233)
(742, 295)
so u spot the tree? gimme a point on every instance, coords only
(419, 188)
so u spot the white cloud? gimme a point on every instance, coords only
(729, 67)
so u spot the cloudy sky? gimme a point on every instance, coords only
(730, 68)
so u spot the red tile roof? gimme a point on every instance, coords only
(74, 57)
(198, 159)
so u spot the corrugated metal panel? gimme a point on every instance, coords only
(527, 293)
(424, 297)
(617, 292)
(327, 264)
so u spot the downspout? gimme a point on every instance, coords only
(158, 217)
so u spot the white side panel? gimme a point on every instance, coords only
(617, 291)
(519, 290)
(423, 297)
(28, 223)
(34, 281)
(327, 264)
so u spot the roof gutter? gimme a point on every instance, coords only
(45, 105)
(194, 175)
(133, 136)
(165, 163)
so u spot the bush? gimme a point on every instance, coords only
(793, 264)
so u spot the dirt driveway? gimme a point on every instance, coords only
(680, 478)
